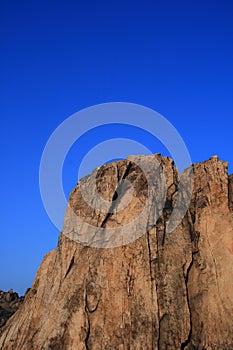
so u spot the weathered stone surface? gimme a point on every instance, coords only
(162, 291)
(210, 282)
(9, 303)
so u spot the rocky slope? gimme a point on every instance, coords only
(9, 303)
(163, 290)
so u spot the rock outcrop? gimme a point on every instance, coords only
(9, 303)
(162, 290)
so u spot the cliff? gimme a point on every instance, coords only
(146, 287)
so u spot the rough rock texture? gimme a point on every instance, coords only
(9, 303)
(162, 291)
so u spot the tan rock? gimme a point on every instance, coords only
(161, 290)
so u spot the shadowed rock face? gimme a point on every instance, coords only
(162, 291)
(9, 303)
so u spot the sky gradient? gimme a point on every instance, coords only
(59, 57)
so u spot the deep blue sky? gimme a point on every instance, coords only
(58, 57)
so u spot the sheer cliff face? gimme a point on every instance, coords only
(160, 291)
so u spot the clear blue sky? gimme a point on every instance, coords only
(58, 57)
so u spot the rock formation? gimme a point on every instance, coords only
(163, 290)
(9, 303)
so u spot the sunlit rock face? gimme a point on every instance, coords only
(134, 284)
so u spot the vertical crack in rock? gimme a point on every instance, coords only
(151, 283)
(88, 326)
(88, 334)
(230, 192)
(186, 343)
(70, 267)
(186, 269)
(157, 278)
(116, 194)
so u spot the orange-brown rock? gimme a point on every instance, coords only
(163, 290)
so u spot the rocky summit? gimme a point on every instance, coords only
(153, 270)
